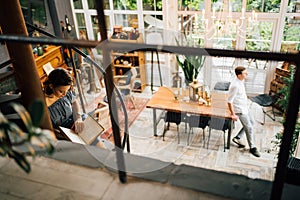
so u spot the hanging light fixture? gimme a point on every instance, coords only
(224, 23)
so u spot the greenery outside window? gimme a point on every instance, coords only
(34, 12)
(191, 4)
(259, 37)
(263, 5)
(125, 5)
(291, 40)
(77, 4)
(224, 5)
(149, 5)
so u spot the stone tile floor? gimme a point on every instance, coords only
(235, 160)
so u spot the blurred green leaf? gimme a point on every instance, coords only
(24, 115)
(20, 160)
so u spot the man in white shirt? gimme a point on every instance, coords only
(238, 107)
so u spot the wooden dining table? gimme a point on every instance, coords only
(164, 99)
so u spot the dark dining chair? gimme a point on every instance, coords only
(266, 100)
(196, 121)
(173, 117)
(218, 124)
(222, 86)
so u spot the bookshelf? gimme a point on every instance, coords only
(124, 61)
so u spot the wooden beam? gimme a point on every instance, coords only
(28, 81)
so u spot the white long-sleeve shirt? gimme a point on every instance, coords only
(238, 97)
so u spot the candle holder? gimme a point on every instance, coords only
(195, 89)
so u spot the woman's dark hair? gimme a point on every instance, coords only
(58, 77)
(238, 70)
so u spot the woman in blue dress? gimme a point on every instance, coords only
(61, 101)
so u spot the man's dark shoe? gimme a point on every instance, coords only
(255, 152)
(238, 142)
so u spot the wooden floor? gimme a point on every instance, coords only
(235, 160)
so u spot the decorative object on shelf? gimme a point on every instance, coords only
(177, 80)
(126, 33)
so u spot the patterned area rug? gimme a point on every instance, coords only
(133, 113)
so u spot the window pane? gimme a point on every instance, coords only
(259, 37)
(96, 32)
(81, 22)
(80, 19)
(91, 4)
(125, 4)
(234, 5)
(77, 4)
(190, 4)
(124, 20)
(149, 5)
(294, 6)
(194, 30)
(263, 5)
(34, 13)
(106, 4)
(153, 21)
(291, 40)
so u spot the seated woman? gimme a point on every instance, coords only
(61, 101)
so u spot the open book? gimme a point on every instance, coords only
(91, 130)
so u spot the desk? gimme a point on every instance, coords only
(52, 55)
(164, 99)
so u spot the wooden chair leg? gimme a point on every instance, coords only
(132, 101)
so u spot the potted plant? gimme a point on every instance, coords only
(12, 136)
(190, 65)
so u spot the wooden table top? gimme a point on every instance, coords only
(164, 99)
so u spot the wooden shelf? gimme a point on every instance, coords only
(125, 54)
(134, 59)
(52, 55)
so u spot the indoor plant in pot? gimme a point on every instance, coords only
(190, 65)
